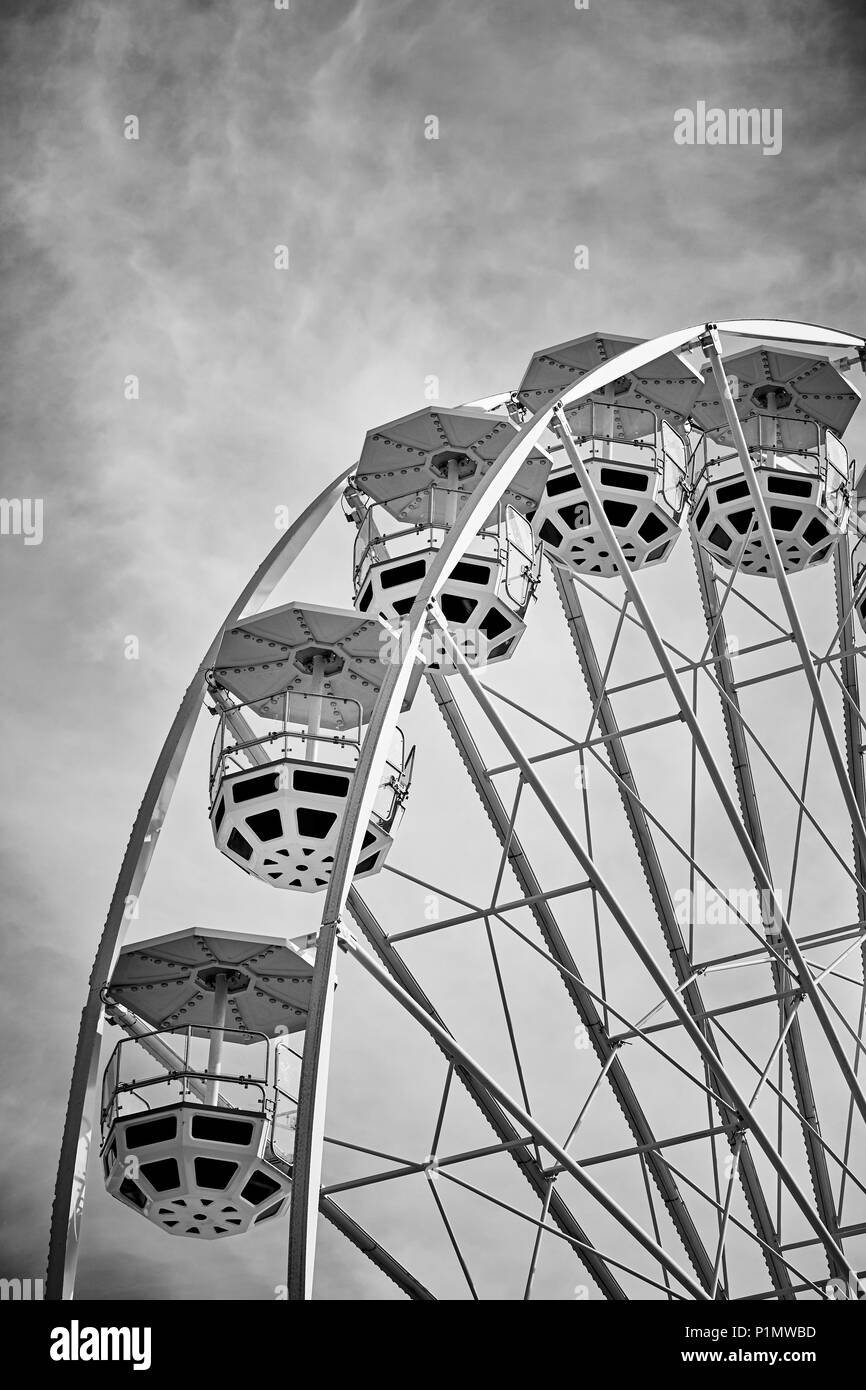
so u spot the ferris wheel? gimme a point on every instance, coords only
(573, 785)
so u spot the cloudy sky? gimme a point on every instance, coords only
(409, 258)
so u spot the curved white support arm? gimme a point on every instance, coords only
(69, 1191)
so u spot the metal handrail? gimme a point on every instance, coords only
(654, 450)
(113, 1087)
(372, 542)
(434, 519)
(223, 754)
(594, 406)
(396, 775)
(833, 472)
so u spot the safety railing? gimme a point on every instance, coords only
(505, 537)
(169, 1066)
(636, 436)
(246, 738)
(779, 442)
(233, 752)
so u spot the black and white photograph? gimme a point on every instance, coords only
(433, 554)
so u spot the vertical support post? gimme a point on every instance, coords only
(774, 428)
(215, 1051)
(309, 1136)
(314, 723)
(607, 420)
(451, 499)
(851, 684)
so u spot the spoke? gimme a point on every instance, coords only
(633, 1029)
(557, 953)
(672, 840)
(795, 854)
(741, 766)
(630, 617)
(771, 762)
(440, 1118)
(744, 959)
(573, 747)
(693, 778)
(789, 1105)
(723, 601)
(718, 1012)
(586, 1104)
(656, 678)
(777, 1045)
(451, 1236)
(606, 672)
(644, 1150)
(503, 857)
(456, 1052)
(808, 1283)
(654, 1218)
(509, 1022)
(639, 823)
(786, 635)
(523, 1156)
(599, 952)
(536, 1248)
(524, 1216)
(850, 1118)
(709, 761)
(481, 912)
(726, 1214)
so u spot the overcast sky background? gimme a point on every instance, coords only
(408, 258)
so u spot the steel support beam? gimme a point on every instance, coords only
(661, 896)
(490, 1108)
(758, 502)
(780, 922)
(458, 1054)
(751, 813)
(851, 707)
(585, 1005)
(730, 1089)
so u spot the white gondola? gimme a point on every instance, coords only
(293, 689)
(199, 1102)
(631, 439)
(793, 410)
(414, 478)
